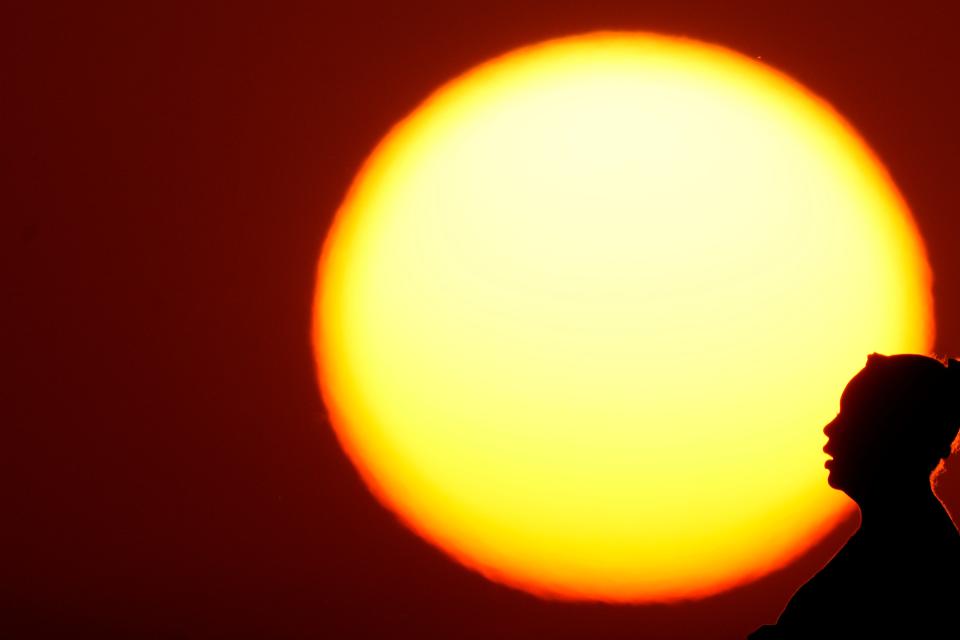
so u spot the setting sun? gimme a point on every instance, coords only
(584, 313)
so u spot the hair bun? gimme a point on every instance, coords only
(953, 385)
(876, 358)
(953, 398)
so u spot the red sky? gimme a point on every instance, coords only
(169, 173)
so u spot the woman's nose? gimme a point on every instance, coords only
(830, 428)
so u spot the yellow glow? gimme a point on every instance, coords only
(583, 315)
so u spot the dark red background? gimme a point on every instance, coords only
(169, 171)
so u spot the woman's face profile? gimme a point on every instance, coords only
(858, 439)
(881, 438)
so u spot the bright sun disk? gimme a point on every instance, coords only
(584, 313)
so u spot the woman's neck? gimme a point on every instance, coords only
(900, 506)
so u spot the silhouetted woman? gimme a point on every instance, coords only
(898, 575)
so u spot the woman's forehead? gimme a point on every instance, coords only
(884, 383)
(860, 388)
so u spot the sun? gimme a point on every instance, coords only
(583, 314)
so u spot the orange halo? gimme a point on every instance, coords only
(583, 314)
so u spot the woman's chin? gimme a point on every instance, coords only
(834, 480)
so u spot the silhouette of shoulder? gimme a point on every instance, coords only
(882, 580)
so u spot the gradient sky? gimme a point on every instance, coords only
(169, 173)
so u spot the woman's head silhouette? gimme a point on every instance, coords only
(898, 421)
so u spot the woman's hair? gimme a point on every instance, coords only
(953, 402)
(922, 394)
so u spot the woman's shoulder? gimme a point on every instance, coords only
(867, 586)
